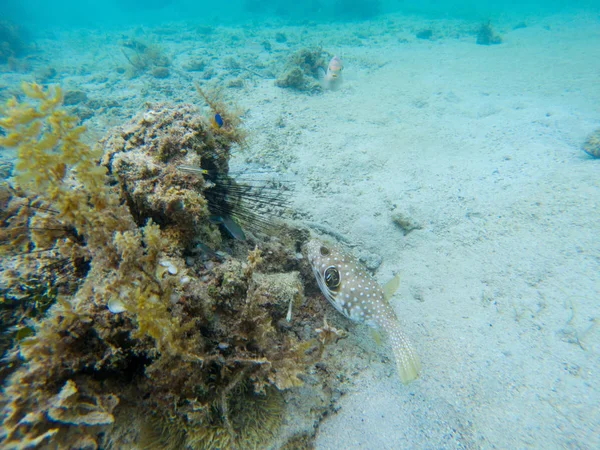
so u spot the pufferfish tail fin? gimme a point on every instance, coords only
(407, 361)
(391, 287)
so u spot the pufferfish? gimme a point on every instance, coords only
(354, 293)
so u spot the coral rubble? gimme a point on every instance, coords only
(139, 345)
(592, 144)
(487, 36)
(143, 57)
(12, 41)
(301, 70)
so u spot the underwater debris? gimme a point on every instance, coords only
(405, 223)
(302, 70)
(487, 36)
(592, 144)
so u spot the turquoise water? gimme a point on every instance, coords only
(131, 12)
(451, 147)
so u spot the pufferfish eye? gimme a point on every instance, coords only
(332, 277)
(324, 250)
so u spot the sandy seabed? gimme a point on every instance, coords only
(478, 145)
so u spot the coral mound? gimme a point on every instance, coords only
(206, 352)
(487, 36)
(301, 70)
(144, 157)
(12, 41)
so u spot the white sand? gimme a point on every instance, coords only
(481, 146)
(500, 289)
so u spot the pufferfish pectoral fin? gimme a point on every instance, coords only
(391, 287)
(376, 336)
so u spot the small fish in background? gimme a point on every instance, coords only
(332, 78)
(217, 121)
(354, 293)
